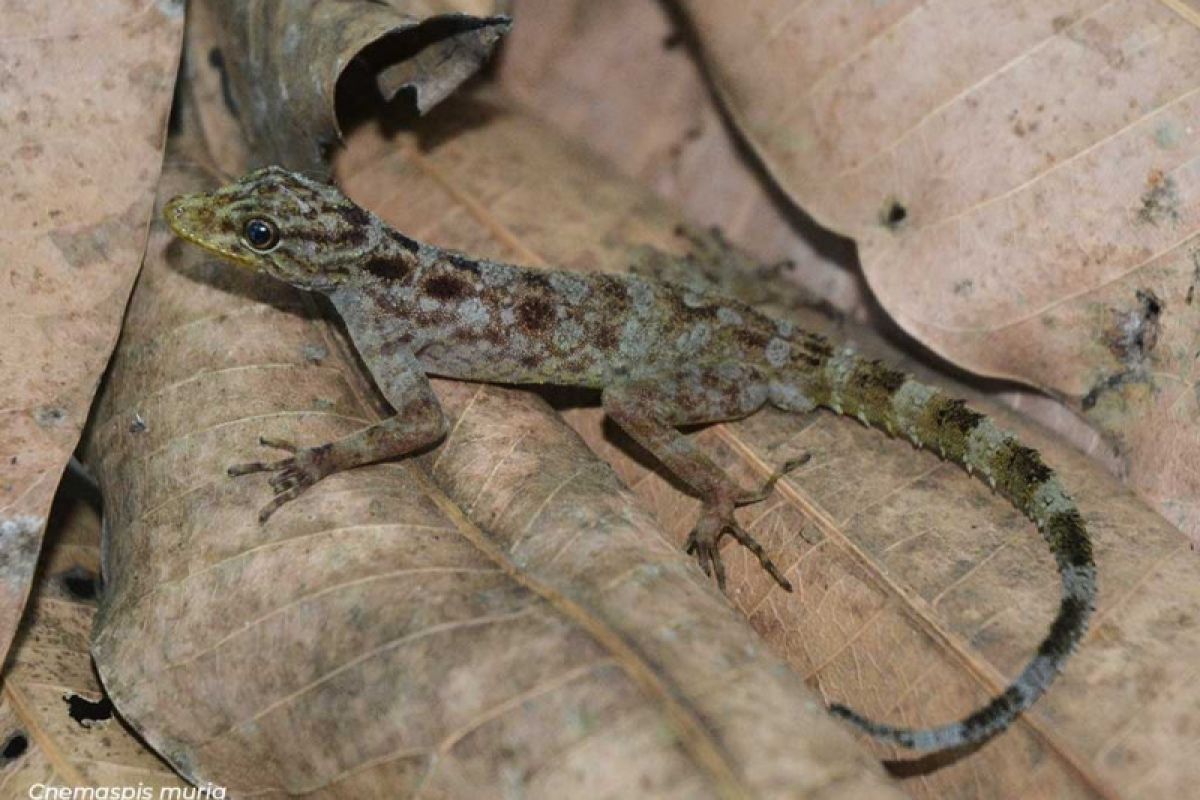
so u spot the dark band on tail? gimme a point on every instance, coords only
(890, 400)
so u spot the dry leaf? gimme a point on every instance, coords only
(83, 110)
(621, 77)
(919, 591)
(370, 640)
(266, 74)
(1020, 179)
(56, 726)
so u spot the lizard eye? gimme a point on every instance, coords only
(261, 234)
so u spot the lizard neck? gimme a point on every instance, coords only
(394, 261)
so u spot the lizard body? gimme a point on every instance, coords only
(662, 355)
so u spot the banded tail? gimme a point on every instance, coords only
(889, 400)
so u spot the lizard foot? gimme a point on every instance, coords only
(705, 543)
(293, 475)
(769, 485)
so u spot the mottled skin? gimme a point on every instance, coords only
(662, 355)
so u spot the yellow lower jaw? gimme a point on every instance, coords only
(176, 213)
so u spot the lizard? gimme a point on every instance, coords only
(662, 356)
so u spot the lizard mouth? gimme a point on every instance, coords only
(191, 217)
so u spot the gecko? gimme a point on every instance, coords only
(662, 356)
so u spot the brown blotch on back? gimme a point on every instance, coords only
(607, 338)
(817, 344)
(750, 338)
(612, 292)
(446, 287)
(387, 269)
(534, 314)
(354, 215)
(354, 236)
(496, 334)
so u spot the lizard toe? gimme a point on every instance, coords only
(750, 543)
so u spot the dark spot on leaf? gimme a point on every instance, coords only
(1106, 384)
(894, 214)
(1133, 333)
(1131, 337)
(1161, 201)
(14, 747)
(49, 416)
(87, 712)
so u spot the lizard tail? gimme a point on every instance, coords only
(894, 402)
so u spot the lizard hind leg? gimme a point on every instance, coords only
(649, 410)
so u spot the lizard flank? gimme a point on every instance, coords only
(662, 356)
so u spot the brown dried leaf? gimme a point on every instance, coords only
(56, 727)
(266, 73)
(83, 110)
(371, 640)
(1020, 178)
(918, 590)
(621, 77)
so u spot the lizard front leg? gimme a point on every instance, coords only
(418, 422)
(650, 410)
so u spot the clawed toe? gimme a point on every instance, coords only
(278, 501)
(707, 551)
(278, 444)
(251, 467)
(292, 475)
(769, 485)
(704, 543)
(750, 543)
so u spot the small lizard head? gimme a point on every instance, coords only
(292, 227)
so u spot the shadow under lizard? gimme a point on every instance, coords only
(662, 355)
